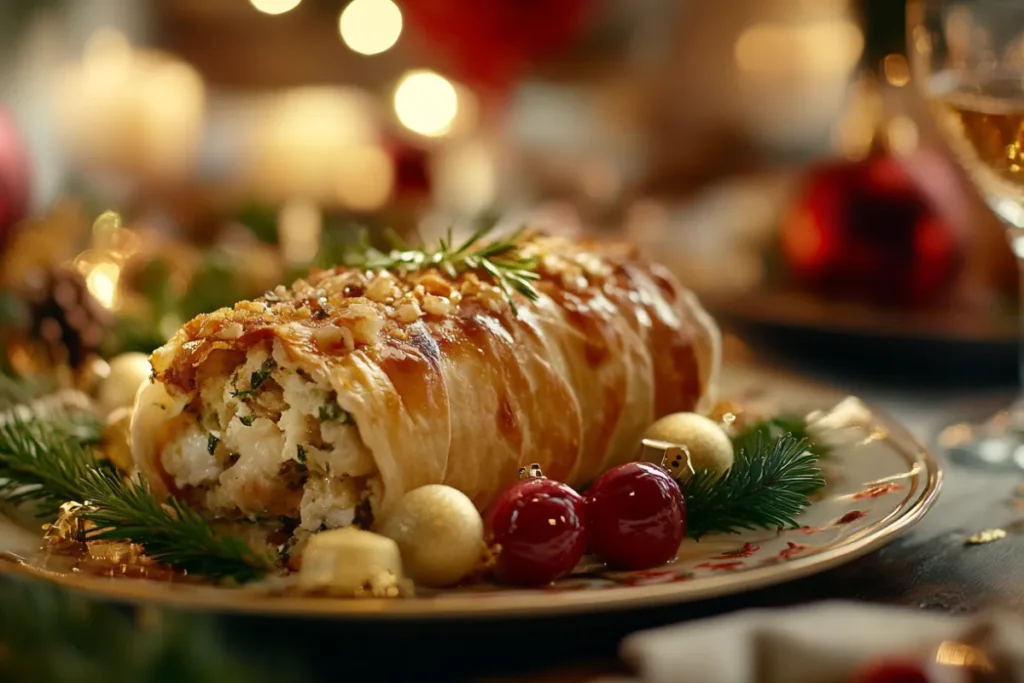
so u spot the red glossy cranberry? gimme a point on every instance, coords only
(892, 671)
(636, 516)
(539, 525)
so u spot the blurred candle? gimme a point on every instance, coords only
(300, 145)
(773, 74)
(138, 111)
(780, 63)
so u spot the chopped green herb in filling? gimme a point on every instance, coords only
(211, 444)
(332, 411)
(302, 454)
(256, 379)
(247, 420)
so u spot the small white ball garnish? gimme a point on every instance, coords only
(439, 532)
(707, 443)
(349, 561)
(127, 373)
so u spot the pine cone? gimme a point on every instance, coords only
(65, 318)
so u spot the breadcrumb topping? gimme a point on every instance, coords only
(345, 309)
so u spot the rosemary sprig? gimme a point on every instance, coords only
(499, 259)
(768, 485)
(44, 464)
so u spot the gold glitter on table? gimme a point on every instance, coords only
(986, 536)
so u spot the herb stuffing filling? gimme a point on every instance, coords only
(256, 380)
(332, 411)
(292, 451)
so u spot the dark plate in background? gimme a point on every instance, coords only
(941, 347)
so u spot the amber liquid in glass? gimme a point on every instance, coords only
(984, 124)
(985, 127)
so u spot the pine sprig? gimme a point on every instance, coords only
(500, 259)
(30, 472)
(126, 510)
(773, 427)
(768, 485)
(45, 465)
(16, 391)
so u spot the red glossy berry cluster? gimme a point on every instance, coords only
(633, 517)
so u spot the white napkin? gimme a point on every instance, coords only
(817, 643)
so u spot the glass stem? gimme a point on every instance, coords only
(1020, 329)
(1017, 410)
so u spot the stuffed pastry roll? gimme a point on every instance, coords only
(325, 402)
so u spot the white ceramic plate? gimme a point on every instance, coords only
(879, 485)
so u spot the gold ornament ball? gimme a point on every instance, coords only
(115, 441)
(127, 373)
(439, 532)
(91, 374)
(709, 446)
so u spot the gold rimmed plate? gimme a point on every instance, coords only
(879, 484)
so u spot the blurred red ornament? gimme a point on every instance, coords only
(892, 671)
(15, 186)
(491, 42)
(412, 170)
(870, 230)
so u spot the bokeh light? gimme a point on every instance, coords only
(303, 135)
(101, 282)
(275, 6)
(426, 103)
(819, 47)
(466, 177)
(105, 228)
(107, 57)
(299, 226)
(370, 27)
(896, 70)
(366, 178)
(903, 135)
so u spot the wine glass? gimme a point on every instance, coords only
(967, 59)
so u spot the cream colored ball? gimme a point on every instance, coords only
(127, 373)
(439, 532)
(345, 561)
(709, 446)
